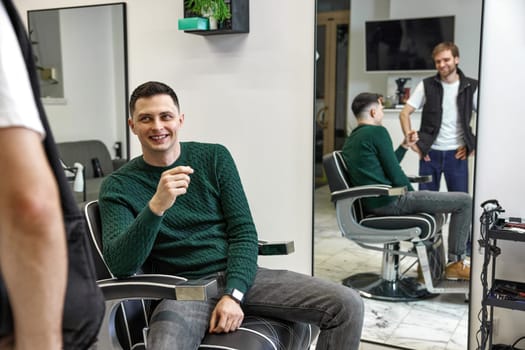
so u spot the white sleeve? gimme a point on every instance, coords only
(17, 104)
(417, 97)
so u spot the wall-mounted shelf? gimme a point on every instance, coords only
(238, 23)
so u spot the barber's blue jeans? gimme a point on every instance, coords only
(454, 170)
(337, 310)
(458, 204)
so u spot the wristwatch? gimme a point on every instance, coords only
(236, 294)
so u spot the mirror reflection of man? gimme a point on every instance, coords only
(370, 159)
(445, 135)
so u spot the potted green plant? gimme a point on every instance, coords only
(215, 10)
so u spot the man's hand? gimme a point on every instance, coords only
(227, 316)
(173, 183)
(416, 149)
(410, 142)
(461, 153)
(410, 139)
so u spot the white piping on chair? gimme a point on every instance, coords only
(260, 334)
(337, 154)
(423, 220)
(93, 236)
(240, 329)
(309, 334)
(128, 334)
(145, 314)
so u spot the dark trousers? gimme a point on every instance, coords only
(337, 310)
(454, 170)
(444, 163)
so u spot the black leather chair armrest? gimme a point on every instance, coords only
(276, 247)
(156, 286)
(420, 178)
(368, 191)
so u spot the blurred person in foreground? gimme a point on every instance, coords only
(48, 300)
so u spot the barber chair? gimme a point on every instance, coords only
(419, 234)
(125, 324)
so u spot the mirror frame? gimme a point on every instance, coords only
(125, 86)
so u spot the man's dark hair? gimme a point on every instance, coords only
(363, 100)
(151, 88)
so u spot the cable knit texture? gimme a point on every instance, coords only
(370, 159)
(207, 230)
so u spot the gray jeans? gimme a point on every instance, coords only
(337, 310)
(457, 204)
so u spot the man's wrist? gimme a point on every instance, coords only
(155, 210)
(235, 294)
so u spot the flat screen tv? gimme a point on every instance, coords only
(405, 44)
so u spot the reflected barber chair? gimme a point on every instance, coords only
(125, 324)
(417, 237)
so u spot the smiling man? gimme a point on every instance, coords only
(445, 135)
(180, 209)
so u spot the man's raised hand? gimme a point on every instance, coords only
(173, 183)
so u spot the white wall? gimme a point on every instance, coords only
(252, 92)
(499, 164)
(359, 80)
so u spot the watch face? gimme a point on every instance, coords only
(235, 294)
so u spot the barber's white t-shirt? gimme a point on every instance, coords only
(450, 135)
(17, 106)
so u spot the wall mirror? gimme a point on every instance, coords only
(440, 322)
(81, 58)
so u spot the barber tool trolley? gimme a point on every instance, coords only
(497, 292)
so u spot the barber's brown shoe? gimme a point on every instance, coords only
(459, 270)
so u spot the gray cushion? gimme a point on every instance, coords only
(83, 152)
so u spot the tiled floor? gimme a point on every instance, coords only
(440, 323)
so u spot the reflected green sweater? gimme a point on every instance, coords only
(371, 160)
(209, 229)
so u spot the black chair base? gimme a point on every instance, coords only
(373, 286)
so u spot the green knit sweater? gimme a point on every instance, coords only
(370, 159)
(208, 229)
